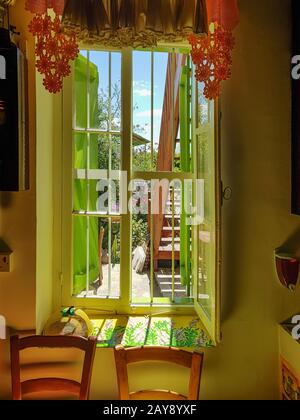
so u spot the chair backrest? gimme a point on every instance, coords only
(193, 361)
(80, 389)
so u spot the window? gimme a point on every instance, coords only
(140, 199)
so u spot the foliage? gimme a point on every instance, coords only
(109, 109)
(140, 232)
(142, 160)
(131, 335)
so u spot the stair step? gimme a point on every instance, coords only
(175, 189)
(168, 232)
(169, 247)
(169, 283)
(176, 202)
(170, 228)
(167, 276)
(176, 291)
(169, 239)
(167, 255)
(164, 282)
(170, 216)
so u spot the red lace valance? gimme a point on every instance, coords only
(223, 12)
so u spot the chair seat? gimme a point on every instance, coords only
(156, 395)
(50, 385)
(50, 396)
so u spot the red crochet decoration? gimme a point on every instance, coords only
(212, 56)
(54, 50)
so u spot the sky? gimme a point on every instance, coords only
(141, 85)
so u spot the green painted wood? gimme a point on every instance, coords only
(185, 155)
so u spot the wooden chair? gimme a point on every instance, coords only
(123, 357)
(81, 390)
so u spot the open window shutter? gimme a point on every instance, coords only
(207, 234)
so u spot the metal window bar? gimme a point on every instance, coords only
(189, 107)
(173, 75)
(152, 110)
(151, 256)
(173, 241)
(174, 135)
(87, 180)
(152, 164)
(87, 255)
(109, 170)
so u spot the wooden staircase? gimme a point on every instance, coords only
(165, 250)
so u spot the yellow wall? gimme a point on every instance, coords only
(18, 227)
(18, 215)
(44, 207)
(256, 164)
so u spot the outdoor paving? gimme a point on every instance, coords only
(140, 284)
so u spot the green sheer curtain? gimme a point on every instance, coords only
(136, 23)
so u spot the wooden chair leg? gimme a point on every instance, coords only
(101, 236)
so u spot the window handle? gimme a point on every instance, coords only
(226, 193)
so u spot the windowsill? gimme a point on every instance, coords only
(131, 331)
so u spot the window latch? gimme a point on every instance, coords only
(226, 194)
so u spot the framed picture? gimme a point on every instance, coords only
(290, 383)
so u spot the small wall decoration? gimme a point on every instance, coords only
(54, 49)
(212, 55)
(290, 383)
